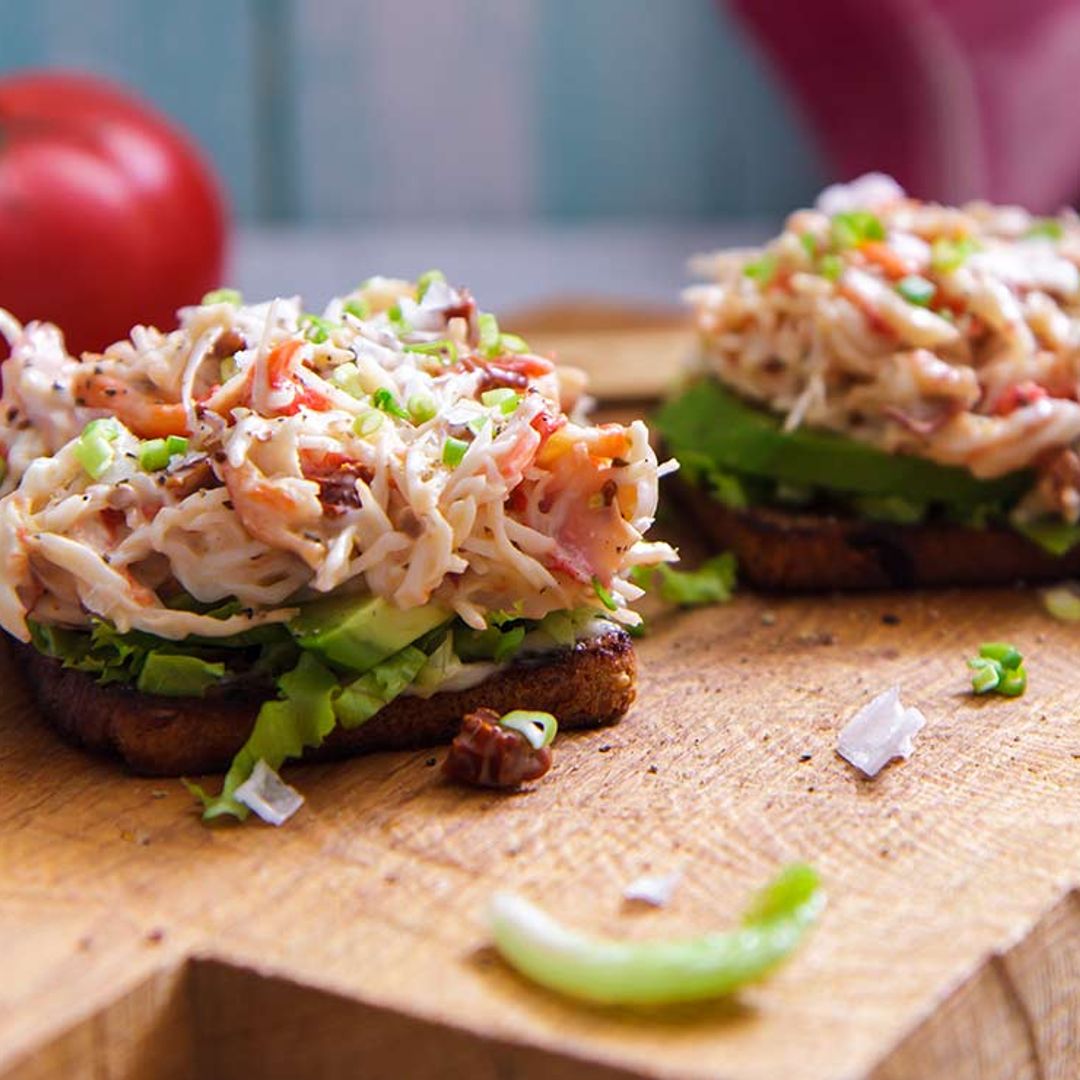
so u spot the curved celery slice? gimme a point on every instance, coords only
(659, 972)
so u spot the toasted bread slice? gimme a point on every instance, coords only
(794, 551)
(591, 684)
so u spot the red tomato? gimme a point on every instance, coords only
(108, 215)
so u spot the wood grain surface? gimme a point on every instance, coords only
(352, 942)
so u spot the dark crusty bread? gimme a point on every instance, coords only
(809, 552)
(593, 683)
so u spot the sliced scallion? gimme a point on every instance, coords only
(604, 594)
(831, 267)
(453, 451)
(423, 282)
(421, 408)
(488, 330)
(384, 401)
(916, 289)
(762, 270)
(948, 254)
(660, 972)
(358, 309)
(367, 423)
(153, 455)
(436, 348)
(1046, 228)
(94, 450)
(854, 227)
(223, 296)
(316, 329)
(511, 343)
(503, 398)
(539, 728)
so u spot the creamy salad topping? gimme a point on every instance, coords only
(952, 334)
(399, 445)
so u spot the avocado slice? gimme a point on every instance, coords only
(709, 420)
(358, 632)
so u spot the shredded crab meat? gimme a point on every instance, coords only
(381, 447)
(950, 333)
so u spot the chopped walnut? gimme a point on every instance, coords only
(487, 755)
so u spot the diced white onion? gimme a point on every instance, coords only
(880, 731)
(268, 796)
(653, 889)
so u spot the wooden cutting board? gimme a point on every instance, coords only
(139, 943)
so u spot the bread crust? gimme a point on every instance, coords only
(591, 684)
(791, 551)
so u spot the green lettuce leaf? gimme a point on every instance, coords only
(175, 675)
(311, 703)
(709, 422)
(302, 717)
(1056, 537)
(712, 583)
(361, 699)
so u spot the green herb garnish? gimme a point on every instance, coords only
(916, 289)
(453, 451)
(855, 227)
(384, 401)
(223, 296)
(998, 667)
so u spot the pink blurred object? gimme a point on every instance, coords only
(957, 99)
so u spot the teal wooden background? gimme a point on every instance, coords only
(339, 110)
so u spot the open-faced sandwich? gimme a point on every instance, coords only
(887, 395)
(270, 533)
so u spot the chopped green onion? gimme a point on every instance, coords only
(453, 451)
(916, 289)
(488, 328)
(855, 227)
(358, 309)
(477, 424)
(539, 728)
(347, 377)
(94, 451)
(316, 329)
(423, 282)
(384, 401)
(809, 243)
(506, 399)
(367, 423)
(986, 675)
(1013, 683)
(947, 254)
(1062, 602)
(397, 321)
(762, 270)
(223, 296)
(661, 972)
(421, 408)
(1008, 656)
(511, 343)
(999, 666)
(1046, 228)
(603, 594)
(831, 267)
(436, 348)
(153, 455)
